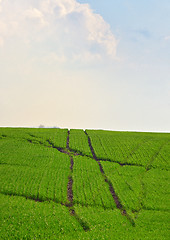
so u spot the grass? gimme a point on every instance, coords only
(124, 181)
(79, 143)
(140, 149)
(89, 186)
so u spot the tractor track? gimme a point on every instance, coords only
(112, 191)
(74, 152)
(70, 204)
(68, 140)
(70, 191)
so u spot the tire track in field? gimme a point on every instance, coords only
(112, 191)
(33, 198)
(68, 140)
(70, 190)
(71, 152)
(77, 153)
(70, 179)
(70, 203)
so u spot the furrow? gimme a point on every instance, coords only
(70, 205)
(32, 198)
(51, 200)
(70, 184)
(83, 224)
(73, 152)
(112, 191)
(67, 146)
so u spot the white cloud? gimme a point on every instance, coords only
(3, 28)
(60, 7)
(1, 42)
(7, 29)
(3, 32)
(61, 27)
(54, 58)
(0, 5)
(35, 14)
(86, 56)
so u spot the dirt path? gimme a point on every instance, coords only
(77, 153)
(70, 191)
(70, 205)
(112, 191)
(68, 139)
(70, 188)
(70, 197)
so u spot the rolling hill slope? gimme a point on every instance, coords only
(93, 184)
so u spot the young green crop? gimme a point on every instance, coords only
(89, 186)
(110, 224)
(156, 190)
(138, 188)
(140, 149)
(26, 219)
(58, 137)
(79, 142)
(36, 180)
(33, 170)
(127, 182)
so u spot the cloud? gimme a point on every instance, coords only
(58, 28)
(3, 28)
(1, 42)
(0, 5)
(35, 14)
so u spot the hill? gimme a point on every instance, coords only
(93, 184)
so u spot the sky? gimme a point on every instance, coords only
(89, 64)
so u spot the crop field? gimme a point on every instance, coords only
(75, 184)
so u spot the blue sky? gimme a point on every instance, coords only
(85, 64)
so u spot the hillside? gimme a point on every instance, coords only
(93, 184)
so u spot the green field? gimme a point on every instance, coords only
(93, 184)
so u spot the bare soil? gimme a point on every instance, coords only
(67, 146)
(70, 191)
